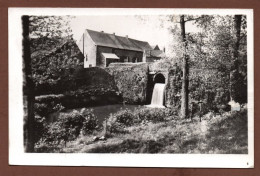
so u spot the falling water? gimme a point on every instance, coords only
(158, 96)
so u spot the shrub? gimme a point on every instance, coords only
(41, 125)
(72, 123)
(43, 109)
(116, 122)
(58, 107)
(124, 117)
(150, 114)
(66, 128)
(112, 126)
(171, 112)
(90, 122)
(47, 104)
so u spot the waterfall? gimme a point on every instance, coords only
(158, 96)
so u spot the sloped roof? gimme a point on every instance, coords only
(155, 47)
(48, 51)
(114, 41)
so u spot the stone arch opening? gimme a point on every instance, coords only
(159, 78)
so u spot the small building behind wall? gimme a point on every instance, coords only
(155, 54)
(93, 44)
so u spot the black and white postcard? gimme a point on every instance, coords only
(131, 87)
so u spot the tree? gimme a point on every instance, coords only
(37, 30)
(206, 55)
(224, 48)
(238, 86)
(185, 73)
(48, 31)
(185, 64)
(28, 89)
(52, 49)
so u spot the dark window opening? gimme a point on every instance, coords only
(108, 61)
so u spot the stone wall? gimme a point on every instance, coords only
(173, 76)
(86, 87)
(131, 80)
(173, 88)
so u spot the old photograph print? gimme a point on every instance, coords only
(141, 84)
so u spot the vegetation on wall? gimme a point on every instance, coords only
(131, 81)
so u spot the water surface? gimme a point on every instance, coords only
(101, 112)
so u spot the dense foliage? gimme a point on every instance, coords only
(54, 53)
(210, 51)
(56, 67)
(124, 118)
(118, 121)
(67, 127)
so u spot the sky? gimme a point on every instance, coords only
(149, 30)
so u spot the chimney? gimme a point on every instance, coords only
(126, 36)
(164, 49)
(114, 33)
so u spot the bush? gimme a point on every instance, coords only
(43, 109)
(116, 122)
(90, 122)
(72, 123)
(66, 128)
(124, 118)
(41, 126)
(112, 126)
(150, 114)
(47, 104)
(171, 111)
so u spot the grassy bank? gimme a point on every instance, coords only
(225, 133)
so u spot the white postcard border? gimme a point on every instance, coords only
(17, 156)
